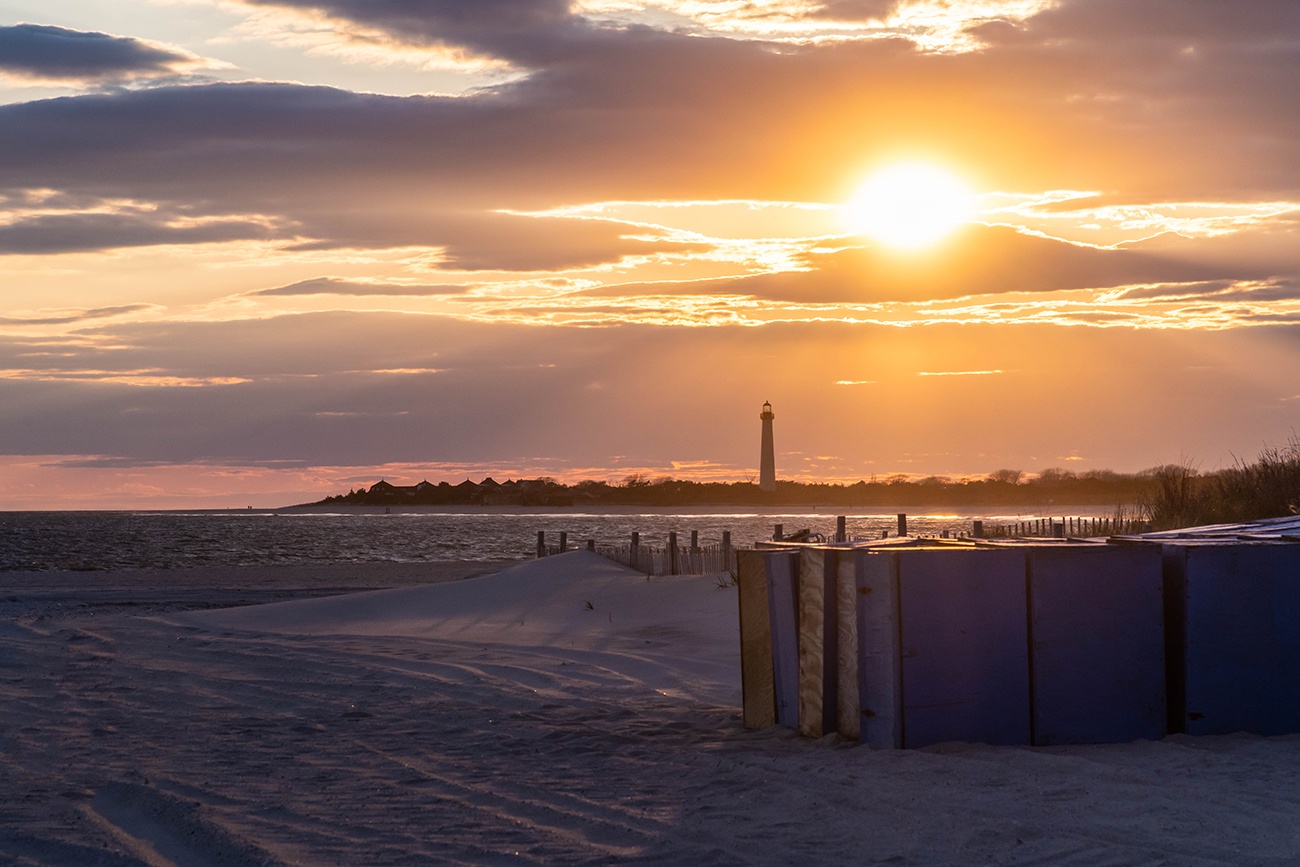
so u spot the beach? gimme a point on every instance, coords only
(560, 710)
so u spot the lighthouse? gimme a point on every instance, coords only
(767, 462)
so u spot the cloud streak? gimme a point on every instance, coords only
(47, 53)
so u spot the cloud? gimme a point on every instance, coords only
(49, 234)
(313, 391)
(339, 286)
(502, 27)
(637, 113)
(52, 53)
(469, 240)
(980, 260)
(76, 317)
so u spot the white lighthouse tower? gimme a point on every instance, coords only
(767, 462)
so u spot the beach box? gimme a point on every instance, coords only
(911, 645)
(1234, 637)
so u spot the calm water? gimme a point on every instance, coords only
(41, 541)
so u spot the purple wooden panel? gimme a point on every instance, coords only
(879, 671)
(1239, 668)
(965, 650)
(1097, 633)
(781, 568)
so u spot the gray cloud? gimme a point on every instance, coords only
(645, 114)
(69, 233)
(489, 241)
(513, 29)
(43, 51)
(980, 260)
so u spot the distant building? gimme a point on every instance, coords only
(767, 461)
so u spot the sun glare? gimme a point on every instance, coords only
(910, 205)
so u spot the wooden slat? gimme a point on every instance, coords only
(756, 672)
(812, 627)
(880, 672)
(849, 713)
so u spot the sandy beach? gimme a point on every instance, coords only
(562, 710)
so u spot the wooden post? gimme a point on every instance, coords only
(977, 529)
(564, 541)
(541, 544)
(1058, 530)
(757, 673)
(778, 533)
(672, 552)
(591, 544)
(841, 529)
(902, 524)
(695, 541)
(636, 550)
(726, 549)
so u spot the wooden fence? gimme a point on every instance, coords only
(671, 559)
(696, 559)
(1063, 527)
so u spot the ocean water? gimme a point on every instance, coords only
(94, 541)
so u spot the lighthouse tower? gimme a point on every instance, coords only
(767, 462)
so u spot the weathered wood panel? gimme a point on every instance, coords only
(756, 666)
(848, 720)
(812, 643)
(1097, 644)
(880, 677)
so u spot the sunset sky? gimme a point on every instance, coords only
(262, 251)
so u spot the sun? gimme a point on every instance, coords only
(910, 205)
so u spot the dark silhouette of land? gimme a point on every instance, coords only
(1004, 487)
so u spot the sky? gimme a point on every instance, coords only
(256, 252)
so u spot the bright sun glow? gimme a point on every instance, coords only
(910, 205)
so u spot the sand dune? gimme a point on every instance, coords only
(500, 718)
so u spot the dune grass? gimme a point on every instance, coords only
(1179, 495)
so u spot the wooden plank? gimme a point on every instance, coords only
(812, 647)
(1097, 653)
(1241, 653)
(781, 567)
(964, 635)
(756, 668)
(880, 677)
(849, 713)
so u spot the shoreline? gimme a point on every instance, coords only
(987, 510)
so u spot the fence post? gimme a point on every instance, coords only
(695, 541)
(977, 529)
(726, 550)
(778, 533)
(541, 544)
(902, 524)
(672, 552)
(591, 544)
(841, 529)
(636, 550)
(564, 541)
